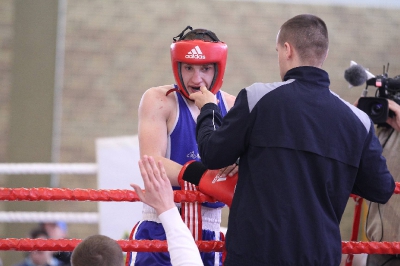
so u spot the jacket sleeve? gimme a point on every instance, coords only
(222, 141)
(374, 181)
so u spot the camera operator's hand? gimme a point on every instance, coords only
(394, 121)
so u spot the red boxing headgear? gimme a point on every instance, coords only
(199, 52)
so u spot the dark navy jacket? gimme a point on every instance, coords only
(302, 151)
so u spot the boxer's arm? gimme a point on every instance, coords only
(155, 110)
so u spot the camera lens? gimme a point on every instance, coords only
(376, 109)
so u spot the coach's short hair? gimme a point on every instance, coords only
(309, 35)
(97, 250)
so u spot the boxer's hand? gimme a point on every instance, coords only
(209, 182)
(219, 187)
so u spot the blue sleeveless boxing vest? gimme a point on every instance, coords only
(182, 146)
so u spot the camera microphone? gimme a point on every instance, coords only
(355, 75)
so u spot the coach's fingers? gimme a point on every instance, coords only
(229, 170)
(203, 89)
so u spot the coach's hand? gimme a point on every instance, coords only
(229, 170)
(202, 97)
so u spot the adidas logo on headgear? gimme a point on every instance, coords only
(195, 53)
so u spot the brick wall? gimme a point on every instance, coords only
(6, 9)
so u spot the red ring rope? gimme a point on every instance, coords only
(54, 194)
(27, 244)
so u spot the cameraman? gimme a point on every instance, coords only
(382, 222)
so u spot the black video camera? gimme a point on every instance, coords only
(377, 108)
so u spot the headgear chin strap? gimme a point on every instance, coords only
(199, 52)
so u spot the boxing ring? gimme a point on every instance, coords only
(119, 196)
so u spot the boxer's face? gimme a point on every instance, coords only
(195, 76)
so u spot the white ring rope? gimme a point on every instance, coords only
(38, 217)
(48, 168)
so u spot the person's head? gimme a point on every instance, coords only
(40, 257)
(198, 59)
(97, 250)
(55, 230)
(302, 41)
